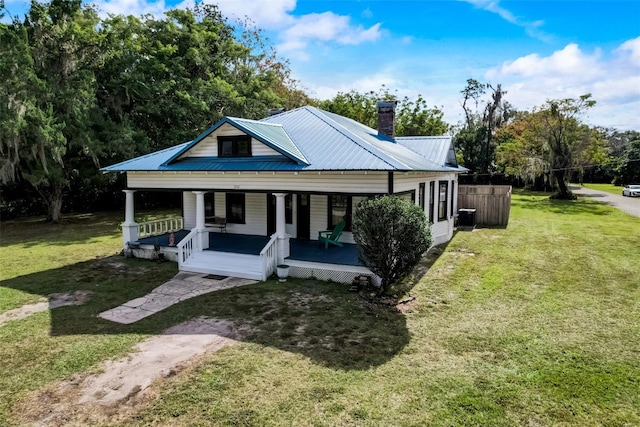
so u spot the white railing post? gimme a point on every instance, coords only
(160, 226)
(186, 247)
(269, 257)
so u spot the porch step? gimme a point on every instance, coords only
(225, 264)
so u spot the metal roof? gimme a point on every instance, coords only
(437, 148)
(310, 139)
(270, 134)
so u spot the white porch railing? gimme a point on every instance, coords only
(269, 257)
(160, 226)
(188, 246)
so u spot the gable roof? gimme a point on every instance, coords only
(271, 134)
(309, 139)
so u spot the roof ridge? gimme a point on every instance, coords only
(261, 122)
(339, 128)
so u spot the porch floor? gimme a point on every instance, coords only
(301, 250)
(163, 239)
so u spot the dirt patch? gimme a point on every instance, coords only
(299, 299)
(124, 383)
(55, 301)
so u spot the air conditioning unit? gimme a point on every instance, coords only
(467, 218)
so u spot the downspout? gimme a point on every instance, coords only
(390, 183)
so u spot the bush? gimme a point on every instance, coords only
(391, 234)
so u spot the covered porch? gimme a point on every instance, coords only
(205, 248)
(300, 250)
(307, 258)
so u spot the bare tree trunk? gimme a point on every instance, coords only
(563, 193)
(52, 196)
(54, 208)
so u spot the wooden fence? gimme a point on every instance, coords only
(491, 202)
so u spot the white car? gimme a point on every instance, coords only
(631, 190)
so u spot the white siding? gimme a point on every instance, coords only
(220, 208)
(255, 215)
(441, 231)
(259, 149)
(304, 182)
(256, 203)
(318, 215)
(189, 209)
(208, 147)
(319, 207)
(292, 229)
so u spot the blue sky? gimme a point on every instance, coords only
(536, 49)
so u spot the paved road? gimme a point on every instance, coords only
(630, 205)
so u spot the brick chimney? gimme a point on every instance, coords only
(387, 118)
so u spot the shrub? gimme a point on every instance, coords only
(391, 234)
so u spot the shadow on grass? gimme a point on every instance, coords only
(322, 321)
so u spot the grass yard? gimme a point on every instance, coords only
(536, 324)
(609, 188)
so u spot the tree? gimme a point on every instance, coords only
(77, 91)
(624, 156)
(549, 144)
(413, 117)
(476, 137)
(47, 83)
(560, 128)
(519, 153)
(391, 234)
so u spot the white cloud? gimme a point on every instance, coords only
(613, 80)
(531, 27)
(570, 61)
(325, 27)
(266, 14)
(633, 47)
(372, 82)
(131, 7)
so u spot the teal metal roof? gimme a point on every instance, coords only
(270, 134)
(309, 139)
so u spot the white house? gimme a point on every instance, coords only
(257, 192)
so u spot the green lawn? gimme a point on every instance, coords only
(609, 188)
(533, 324)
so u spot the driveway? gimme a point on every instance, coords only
(629, 205)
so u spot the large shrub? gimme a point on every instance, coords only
(391, 234)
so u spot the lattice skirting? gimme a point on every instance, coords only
(331, 273)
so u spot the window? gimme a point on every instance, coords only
(421, 195)
(339, 209)
(452, 199)
(234, 146)
(209, 206)
(235, 208)
(432, 197)
(442, 200)
(288, 209)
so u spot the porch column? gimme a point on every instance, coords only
(204, 236)
(283, 237)
(129, 226)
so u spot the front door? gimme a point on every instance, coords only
(271, 214)
(303, 216)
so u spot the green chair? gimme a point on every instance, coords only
(331, 236)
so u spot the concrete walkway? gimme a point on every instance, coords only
(630, 205)
(182, 287)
